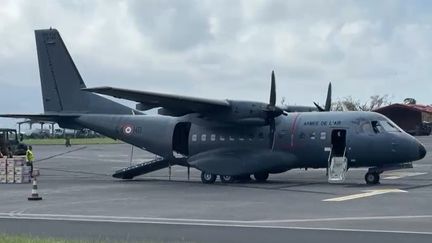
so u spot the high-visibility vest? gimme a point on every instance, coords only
(29, 156)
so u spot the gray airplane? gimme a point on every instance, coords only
(225, 138)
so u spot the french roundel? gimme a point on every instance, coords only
(127, 129)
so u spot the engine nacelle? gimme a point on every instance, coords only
(244, 112)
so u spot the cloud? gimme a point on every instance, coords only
(227, 49)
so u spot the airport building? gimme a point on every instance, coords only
(413, 118)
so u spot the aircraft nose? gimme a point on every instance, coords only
(422, 151)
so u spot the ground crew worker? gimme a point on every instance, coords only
(30, 159)
(67, 142)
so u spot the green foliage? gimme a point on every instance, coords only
(350, 104)
(74, 141)
(32, 239)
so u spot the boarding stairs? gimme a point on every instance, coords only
(337, 168)
(143, 168)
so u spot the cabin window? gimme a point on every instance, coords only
(231, 138)
(194, 138)
(213, 137)
(222, 138)
(323, 135)
(241, 139)
(251, 136)
(203, 137)
(313, 135)
(302, 135)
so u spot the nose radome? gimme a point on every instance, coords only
(422, 151)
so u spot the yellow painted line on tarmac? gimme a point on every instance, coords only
(368, 193)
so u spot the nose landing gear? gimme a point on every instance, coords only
(372, 178)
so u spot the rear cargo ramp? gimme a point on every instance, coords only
(144, 168)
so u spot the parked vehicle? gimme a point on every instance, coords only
(10, 142)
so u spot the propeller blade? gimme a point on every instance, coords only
(272, 126)
(319, 107)
(273, 90)
(329, 98)
(327, 106)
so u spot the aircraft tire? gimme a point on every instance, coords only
(226, 179)
(261, 177)
(207, 178)
(372, 178)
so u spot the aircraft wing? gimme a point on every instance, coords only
(175, 103)
(242, 161)
(40, 117)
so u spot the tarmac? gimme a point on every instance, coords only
(82, 201)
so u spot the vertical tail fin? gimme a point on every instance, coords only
(61, 82)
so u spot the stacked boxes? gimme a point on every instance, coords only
(22, 174)
(14, 170)
(3, 170)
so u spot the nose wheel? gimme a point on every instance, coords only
(372, 178)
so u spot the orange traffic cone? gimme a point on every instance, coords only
(34, 195)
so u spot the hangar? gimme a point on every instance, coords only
(415, 119)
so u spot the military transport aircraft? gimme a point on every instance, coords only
(228, 138)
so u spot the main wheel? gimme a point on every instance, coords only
(261, 177)
(226, 179)
(242, 178)
(372, 178)
(207, 178)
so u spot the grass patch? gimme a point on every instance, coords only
(74, 141)
(31, 239)
(4, 238)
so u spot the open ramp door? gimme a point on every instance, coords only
(338, 162)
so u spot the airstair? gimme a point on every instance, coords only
(142, 168)
(337, 168)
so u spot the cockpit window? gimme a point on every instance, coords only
(366, 127)
(384, 126)
(389, 127)
(376, 127)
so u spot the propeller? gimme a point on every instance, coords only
(272, 110)
(327, 106)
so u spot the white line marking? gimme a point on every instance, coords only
(18, 215)
(362, 195)
(114, 219)
(398, 175)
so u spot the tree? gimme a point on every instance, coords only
(351, 104)
(410, 101)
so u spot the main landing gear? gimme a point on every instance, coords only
(208, 178)
(261, 177)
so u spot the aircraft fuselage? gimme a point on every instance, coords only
(301, 140)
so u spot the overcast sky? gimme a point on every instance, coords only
(225, 49)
